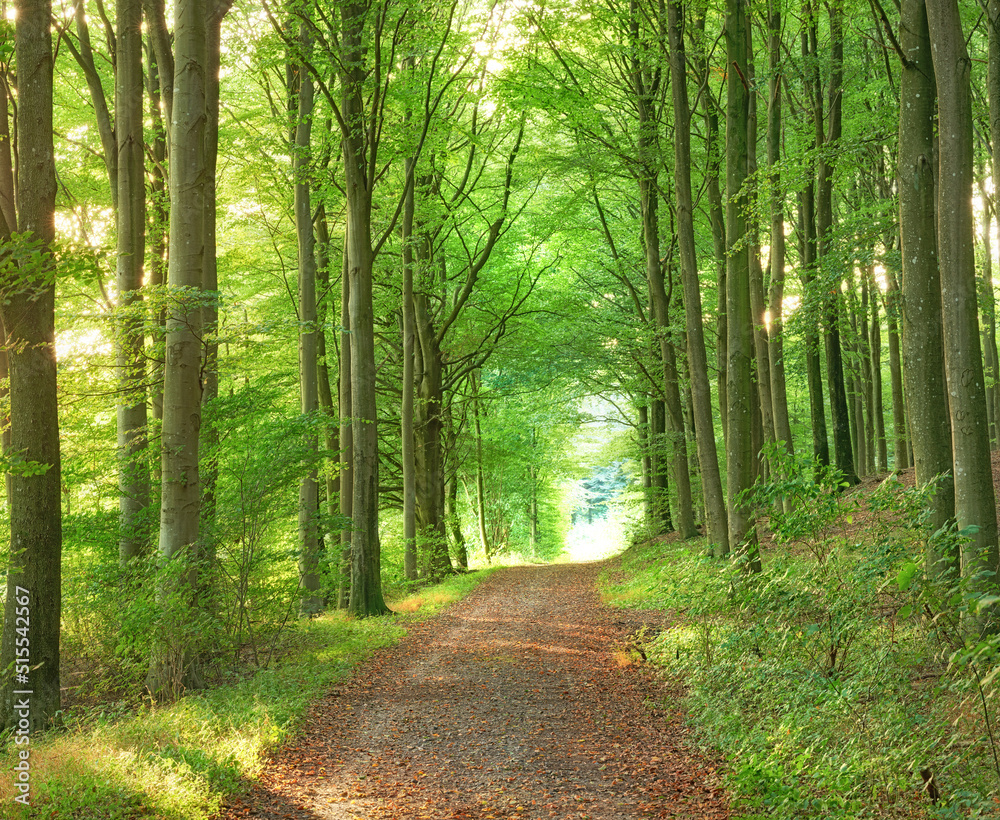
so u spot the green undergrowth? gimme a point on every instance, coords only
(836, 682)
(179, 761)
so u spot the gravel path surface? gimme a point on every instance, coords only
(522, 701)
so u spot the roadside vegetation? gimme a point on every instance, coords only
(123, 759)
(839, 682)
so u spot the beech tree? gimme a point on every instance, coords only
(923, 351)
(34, 580)
(975, 502)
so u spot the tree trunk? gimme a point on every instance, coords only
(923, 353)
(158, 232)
(775, 336)
(34, 586)
(875, 340)
(480, 474)
(814, 374)
(366, 577)
(133, 469)
(646, 461)
(975, 503)
(993, 94)
(701, 391)
(900, 450)
(739, 386)
(210, 437)
(451, 512)
(180, 501)
(988, 301)
(758, 305)
(310, 582)
(717, 220)
(659, 463)
(839, 414)
(346, 439)
(407, 430)
(326, 404)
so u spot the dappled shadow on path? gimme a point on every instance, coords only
(517, 703)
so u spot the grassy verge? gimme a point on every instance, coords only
(831, 683)
(178, 762)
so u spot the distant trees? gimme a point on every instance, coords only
(466, 220)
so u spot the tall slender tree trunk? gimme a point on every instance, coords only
(310, 581)
(480, 474)
(827, 141)
(210, 436)
(646, 461)
(660, 466)
(346, 439)
(989, 319)
(133, 469)
(180, 498)
(875, 340)
(366, 577)
(993, 95)
(814, 373)
(900, 449)
(775, 336)
(923, 351)
(739, 450)
(451, 511)
(326, 401)
(158, 229)
(716, 212)
(407, 430)
(975, 502)
(34, 570)
(758, 303)
(701, 391)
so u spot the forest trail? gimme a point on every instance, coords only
(518, 702)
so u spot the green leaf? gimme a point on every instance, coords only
(906, 575)
(985, 601)
(905, 612)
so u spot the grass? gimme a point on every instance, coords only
(826, 683)
(179, 761)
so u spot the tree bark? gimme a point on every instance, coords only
(827, 141)
(133, 463)
(739, 385)
(366, 577)
(923, 351)
(180, 503)
(407, 430)
(310, 581)
(701, 392)
(900, 450)
(975, 503)
(775, 336)
(346, 439)
(34, 571)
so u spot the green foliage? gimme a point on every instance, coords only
(839, 674)
(177, 762)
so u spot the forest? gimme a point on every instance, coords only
(308, 306)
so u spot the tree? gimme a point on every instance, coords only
(172, 667)
(739, 387)
(923, 350)
(310, 540)
(131, 229)
(34, 581)
(975, 503)
(715, 509)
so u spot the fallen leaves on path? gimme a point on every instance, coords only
(519, 702)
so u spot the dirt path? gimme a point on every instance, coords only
(517, 703)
